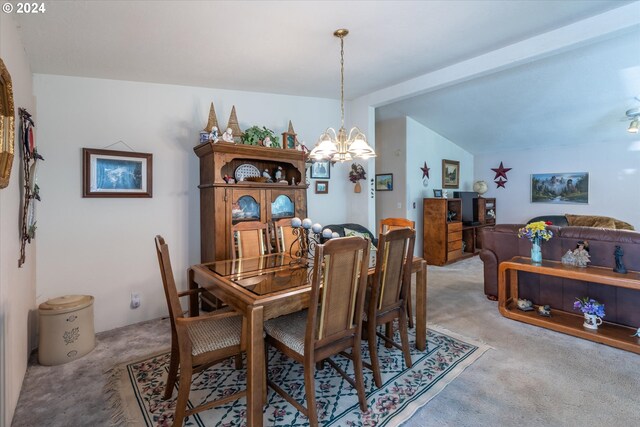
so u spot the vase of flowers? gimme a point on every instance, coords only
(537, 233)
(593, 311)
(356, 174)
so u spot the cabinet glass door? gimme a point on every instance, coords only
(246, 208)
(282, 207)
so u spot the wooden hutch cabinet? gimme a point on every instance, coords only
(442, 239)
(222, 204)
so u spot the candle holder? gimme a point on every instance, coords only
(308, 237)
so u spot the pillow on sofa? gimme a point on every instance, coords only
(372, 249)
(591, 221)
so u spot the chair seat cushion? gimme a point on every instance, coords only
(289, 330)
(215, 334)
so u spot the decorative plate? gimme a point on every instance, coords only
(245, 171)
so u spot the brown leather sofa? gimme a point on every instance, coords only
(501, 243)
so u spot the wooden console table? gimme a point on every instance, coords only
(569, 323)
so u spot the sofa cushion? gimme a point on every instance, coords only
(591, 221)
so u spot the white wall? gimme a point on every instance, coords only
(17, 285)
(614, 179)
(423, 144)
(104, 247)
(391, 138)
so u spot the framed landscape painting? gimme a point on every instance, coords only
(109, 173)
(560, 188)
(450, 173)
(384, 182)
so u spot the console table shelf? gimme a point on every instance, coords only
(608, 333)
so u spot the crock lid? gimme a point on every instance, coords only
(66, 303)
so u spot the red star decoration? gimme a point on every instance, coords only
(501, 172)
(500, 183)
(425, 170)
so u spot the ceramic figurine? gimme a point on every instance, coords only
(568, 259)
(278, 174)
(637, 334)
(214, 134)
(619, 268)
(581, 254)
(227, 136)
(544, 310)
(451, 215)
(267, 142)
(524, 304)
(265, 174)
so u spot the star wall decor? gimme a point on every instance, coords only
(425, 170)
(501, 171)
(500, 183)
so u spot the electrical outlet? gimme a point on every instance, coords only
(399, 206)
(135, 300)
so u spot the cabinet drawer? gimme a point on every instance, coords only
(454, 226)
(457, 244)
(454, 255)
(456, 235)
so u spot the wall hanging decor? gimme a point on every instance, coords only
(384, 182)
(355, 175)
(322, 187)
(110, 173)
(31, 193)
(501, 172)
(425, 174)
(450, 173)
(321, 169)
(560, 188)
(7, 126)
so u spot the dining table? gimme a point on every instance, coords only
(269, 286)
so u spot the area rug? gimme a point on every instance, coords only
(136, 388)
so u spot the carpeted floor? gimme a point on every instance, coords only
(531, 377)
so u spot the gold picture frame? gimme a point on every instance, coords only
(7, 126)
(450, 173)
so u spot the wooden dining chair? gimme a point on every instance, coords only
(196, 342)
(285, 237)
(250, 239)
(386, 299)
(387, 224)
(332, 325)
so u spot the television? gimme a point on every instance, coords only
(466, 198)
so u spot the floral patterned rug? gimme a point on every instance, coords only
(136, 388)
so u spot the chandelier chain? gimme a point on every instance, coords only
(342, 81)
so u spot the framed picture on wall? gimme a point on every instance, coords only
(384, 182)
(110, 173)
(321, 169)
(322, 187)
(450, 173)
(560, 188)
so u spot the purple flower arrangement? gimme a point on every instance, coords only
(589, 306)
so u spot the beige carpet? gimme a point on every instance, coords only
(531, 377)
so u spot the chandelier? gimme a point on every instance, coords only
(342, 146)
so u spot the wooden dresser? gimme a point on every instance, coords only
(223, 204)
(442, 239)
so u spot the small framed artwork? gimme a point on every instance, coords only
(437, 193)
(109, 173)
(322, 187)
(560, 188)
(321, 169)
(450, 174)
(384, 182)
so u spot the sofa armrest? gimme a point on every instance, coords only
(490, 261)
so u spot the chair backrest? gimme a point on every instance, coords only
(393, 223)
(338, 283)
(168, 281)
(250, 239)
(285, 237)
(393, 269)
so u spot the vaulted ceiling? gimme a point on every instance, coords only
(288, 47)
